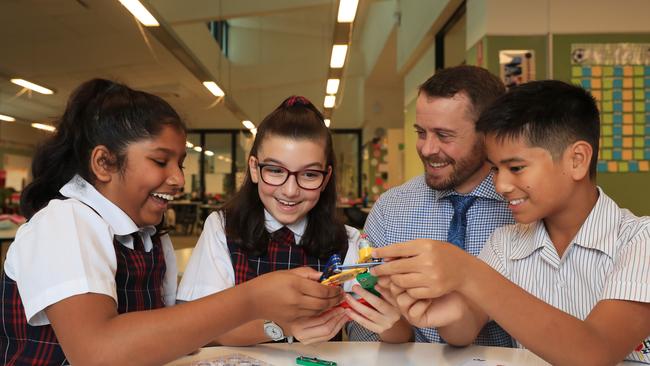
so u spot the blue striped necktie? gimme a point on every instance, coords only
(458, 225)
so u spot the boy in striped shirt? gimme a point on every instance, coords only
(571, 280)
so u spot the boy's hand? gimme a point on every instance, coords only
(384, 315)
(284, 296)
(438, 312)
(425, 313)
(318, 328)
(424, 268)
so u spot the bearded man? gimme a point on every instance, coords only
(454, 200)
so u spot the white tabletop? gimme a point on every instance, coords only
(372, 353)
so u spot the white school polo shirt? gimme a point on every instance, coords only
(66, 249)
(210, 268)
(609, 258)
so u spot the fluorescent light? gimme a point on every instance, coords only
(189, 145)
(7, 118)
(209, 153)
(338, 55)
(35, 87)
(327, 122)
(198, 148)
(248, 124)
(330, 100)
(140, 13)
(214, 88)
(332, 86)
(220, 157)
(347, 11)
(42, 126)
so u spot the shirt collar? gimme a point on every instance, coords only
(597, 232)
(121, 224)
(485, 189)
(272, 225)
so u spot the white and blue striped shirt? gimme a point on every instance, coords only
(609, 258)
(413, 211)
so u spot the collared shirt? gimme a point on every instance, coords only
(210, 268)
(609, 258)
(414, 210)
(66, 249)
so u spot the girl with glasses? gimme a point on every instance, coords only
(284, 216)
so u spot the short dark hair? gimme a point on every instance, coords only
(550, 114)
(480, 86)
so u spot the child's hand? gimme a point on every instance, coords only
(318, 328)
(284, 296)
(426, 268)
(438, 312)
(384, 315)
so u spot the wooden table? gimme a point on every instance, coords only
(369, 354)
(373, 353)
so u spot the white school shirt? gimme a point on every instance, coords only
(210, 268)
(66, 249)
(609, 258)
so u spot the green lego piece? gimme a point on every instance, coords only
(313, 361)
(368, 282)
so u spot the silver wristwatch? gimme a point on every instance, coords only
(273, 331)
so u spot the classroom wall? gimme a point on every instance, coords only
(495, 25)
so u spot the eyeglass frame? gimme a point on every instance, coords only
(325, 173)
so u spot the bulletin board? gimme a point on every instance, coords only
(622, 135)
(618, 76)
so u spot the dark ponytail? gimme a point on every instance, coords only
(99, 112)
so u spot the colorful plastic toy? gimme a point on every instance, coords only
(335, 274)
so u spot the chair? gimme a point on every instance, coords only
(187, 216)
(355, 217)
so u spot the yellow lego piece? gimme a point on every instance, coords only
(344, 276)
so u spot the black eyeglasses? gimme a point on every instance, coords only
(309, 179)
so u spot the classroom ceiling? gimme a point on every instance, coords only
(278, 48)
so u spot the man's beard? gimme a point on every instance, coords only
(462, 169)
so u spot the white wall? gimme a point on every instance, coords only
(539, 17)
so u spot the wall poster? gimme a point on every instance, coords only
(618, 76)
(516, 66)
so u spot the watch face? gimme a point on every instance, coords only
(273, 331)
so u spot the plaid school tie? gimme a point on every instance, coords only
(458, 225)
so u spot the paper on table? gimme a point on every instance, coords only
(233, 359)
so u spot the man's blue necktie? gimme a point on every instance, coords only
(458, 225)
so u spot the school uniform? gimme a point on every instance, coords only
(609, 258)
(82, 244)
(217, 263)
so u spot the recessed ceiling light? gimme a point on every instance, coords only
(140, 13)
(347, 11)
(330, 100)
(338, 55)
(35, 87)
(42, 126)
(248, 124)
(332, 86)
(214, 88)
(7, 118)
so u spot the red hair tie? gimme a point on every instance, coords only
(296, 99)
